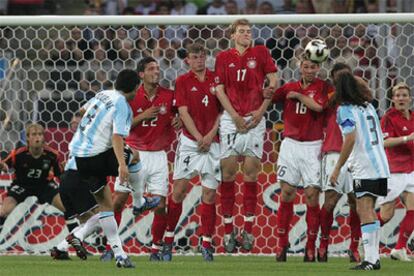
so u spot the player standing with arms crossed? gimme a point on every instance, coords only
(241, 73)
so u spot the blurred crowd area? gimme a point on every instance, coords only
(61, 67)
(193, 7)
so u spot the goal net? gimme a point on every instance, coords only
(50, 66)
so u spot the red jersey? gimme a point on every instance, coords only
(243, 76)
(301, 123)
(200, 99)
(394, 124)
(333, 135)
(157, 133)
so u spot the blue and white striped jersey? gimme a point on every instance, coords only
(367, 159)
(71, 164)
(106, 114)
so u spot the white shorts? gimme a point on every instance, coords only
(397, 184)
(299, 163)
(344, 185)
(246, 144)
(189, 162)
(153, 175)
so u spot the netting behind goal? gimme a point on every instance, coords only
(47, 72)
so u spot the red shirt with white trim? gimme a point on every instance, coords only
(401, 157)
(200, 99)
(301, 123)
(157, 133)
(243, 76)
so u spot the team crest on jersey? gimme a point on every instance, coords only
(213, 90)
(251, 64)
(311, 94)
(163, 109)
(46, 164)
(217, 79)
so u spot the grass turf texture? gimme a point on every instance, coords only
(192, 265)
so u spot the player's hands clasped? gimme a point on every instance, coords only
(257, 116)
(241, 124)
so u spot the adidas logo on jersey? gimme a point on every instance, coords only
(405, 128)
(139, 110)
(232, 65)
(194, 89)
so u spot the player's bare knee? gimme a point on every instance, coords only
(179, 196)
(312, 196)
(288, 192)
(208, 196)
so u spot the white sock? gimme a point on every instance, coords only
(64, 245)
(88, 227)
(110, 228)
(370, 233)
(138, 193)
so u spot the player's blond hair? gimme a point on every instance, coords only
(33, 126)
(398, 86)
(239, 22)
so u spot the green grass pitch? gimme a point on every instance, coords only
(193, 265)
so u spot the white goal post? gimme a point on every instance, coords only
(64, 60)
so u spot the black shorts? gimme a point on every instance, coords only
(44, 193)
(94, 170)
(75, 195)
(372, 187)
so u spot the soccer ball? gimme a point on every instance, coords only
(317, 51)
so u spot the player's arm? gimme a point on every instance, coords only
(148, 114)
(225, 102)
(189, 123)
(396, 141)
(209, 137)
(118, 146)
(269, 90)
(306, 100)
(347, 146)
(390, 139)
(8, 162)
(346, 122)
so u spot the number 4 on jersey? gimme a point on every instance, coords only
(205, 100)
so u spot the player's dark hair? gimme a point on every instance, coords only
(127, 81)
(350, 91)
(143, 63)
(339, 66)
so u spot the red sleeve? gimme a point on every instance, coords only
(11, 159)
(322, 98)
(387, 127)
(279, 95)
(220, 70)
(270, 66)
(180, 99)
